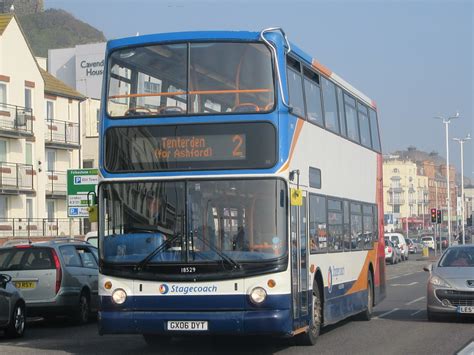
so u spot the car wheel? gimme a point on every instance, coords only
(366, 315)
(392, 261)
(156, 339)
(406, 257)
(16, 328)
(310, 337)
(82, 313)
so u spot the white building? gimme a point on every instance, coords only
(40, 138)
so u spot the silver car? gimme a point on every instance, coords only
(58, 277)
(451, 283)
(12, 308)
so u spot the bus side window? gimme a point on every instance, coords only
(295, 87)
(374, 130)
(368, 226)
(357, 241)
(313, 97)
(330, 105)
(318, 224)
(335, 225)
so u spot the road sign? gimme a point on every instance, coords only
(79, 183)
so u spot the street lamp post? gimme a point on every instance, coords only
(446, 122)
(461, 143)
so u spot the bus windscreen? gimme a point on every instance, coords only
(189, 79)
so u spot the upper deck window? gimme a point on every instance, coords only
(190, 78)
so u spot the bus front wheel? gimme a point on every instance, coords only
(310, 337)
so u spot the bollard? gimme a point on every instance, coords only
(425, 252)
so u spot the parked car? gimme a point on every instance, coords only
(391, 253)
(12, 308)
(444, 242)
(92, 238)
(450, 289)
(428, 240)
(58, 277)
(414, 246)
(399, 239)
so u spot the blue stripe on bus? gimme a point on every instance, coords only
(270, 322)
(196, 303)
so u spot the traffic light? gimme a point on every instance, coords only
(439, 216)
(433, 215)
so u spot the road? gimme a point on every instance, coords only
(399, 326)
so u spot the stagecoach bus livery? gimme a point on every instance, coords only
(241, 189)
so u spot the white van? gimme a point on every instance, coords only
(399, 239)
(428, 240)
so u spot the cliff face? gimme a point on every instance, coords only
(55, 28)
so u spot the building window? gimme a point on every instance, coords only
(50, 209)
(29, 208)
(49, 110)
(28, 98)
(3, 207)
(29, 153)
(50, 160)
(3, 93)
(88, 164)
(3, 150)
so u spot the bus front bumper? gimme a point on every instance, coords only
(268, 322)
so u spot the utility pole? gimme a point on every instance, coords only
(461, 143)
(446, 122)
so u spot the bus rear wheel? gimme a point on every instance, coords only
(367, 313)
(310, 337)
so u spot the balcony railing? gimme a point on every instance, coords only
(15, 176)
(15, 120)
(62, 133)
(395, 201)
(56, 183)
(39, 227)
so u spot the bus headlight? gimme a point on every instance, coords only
(119, 296)
(258, 295)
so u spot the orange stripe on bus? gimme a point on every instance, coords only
(361, 282)
(299, 126)
(195, 92)
(322, 68)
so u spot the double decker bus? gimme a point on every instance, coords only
(240, 192)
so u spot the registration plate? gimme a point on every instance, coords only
(25, 284)
(465, 309)
(193, 325)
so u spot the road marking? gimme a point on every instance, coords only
(414, 301)
(468, 349)
(386, 313)
(418, 311)
(410, 284)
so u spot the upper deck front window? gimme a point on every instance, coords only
(190, 78)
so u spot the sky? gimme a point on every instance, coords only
(414, 58)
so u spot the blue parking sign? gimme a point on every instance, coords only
(73, 211)
(77, 179)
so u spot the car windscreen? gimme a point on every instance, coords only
(26, 258)
(458, 257)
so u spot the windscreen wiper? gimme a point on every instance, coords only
(161, 247)
(235, 265)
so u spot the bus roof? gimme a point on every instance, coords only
(240, 36)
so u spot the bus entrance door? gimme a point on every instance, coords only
(299, 264)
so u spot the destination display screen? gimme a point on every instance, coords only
(191, 147)
(195, 148)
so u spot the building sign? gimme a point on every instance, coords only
(198, 148)
(80, 182)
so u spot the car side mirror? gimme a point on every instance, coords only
(428, 268)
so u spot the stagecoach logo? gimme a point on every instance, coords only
(330, 280)
(164, 289)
